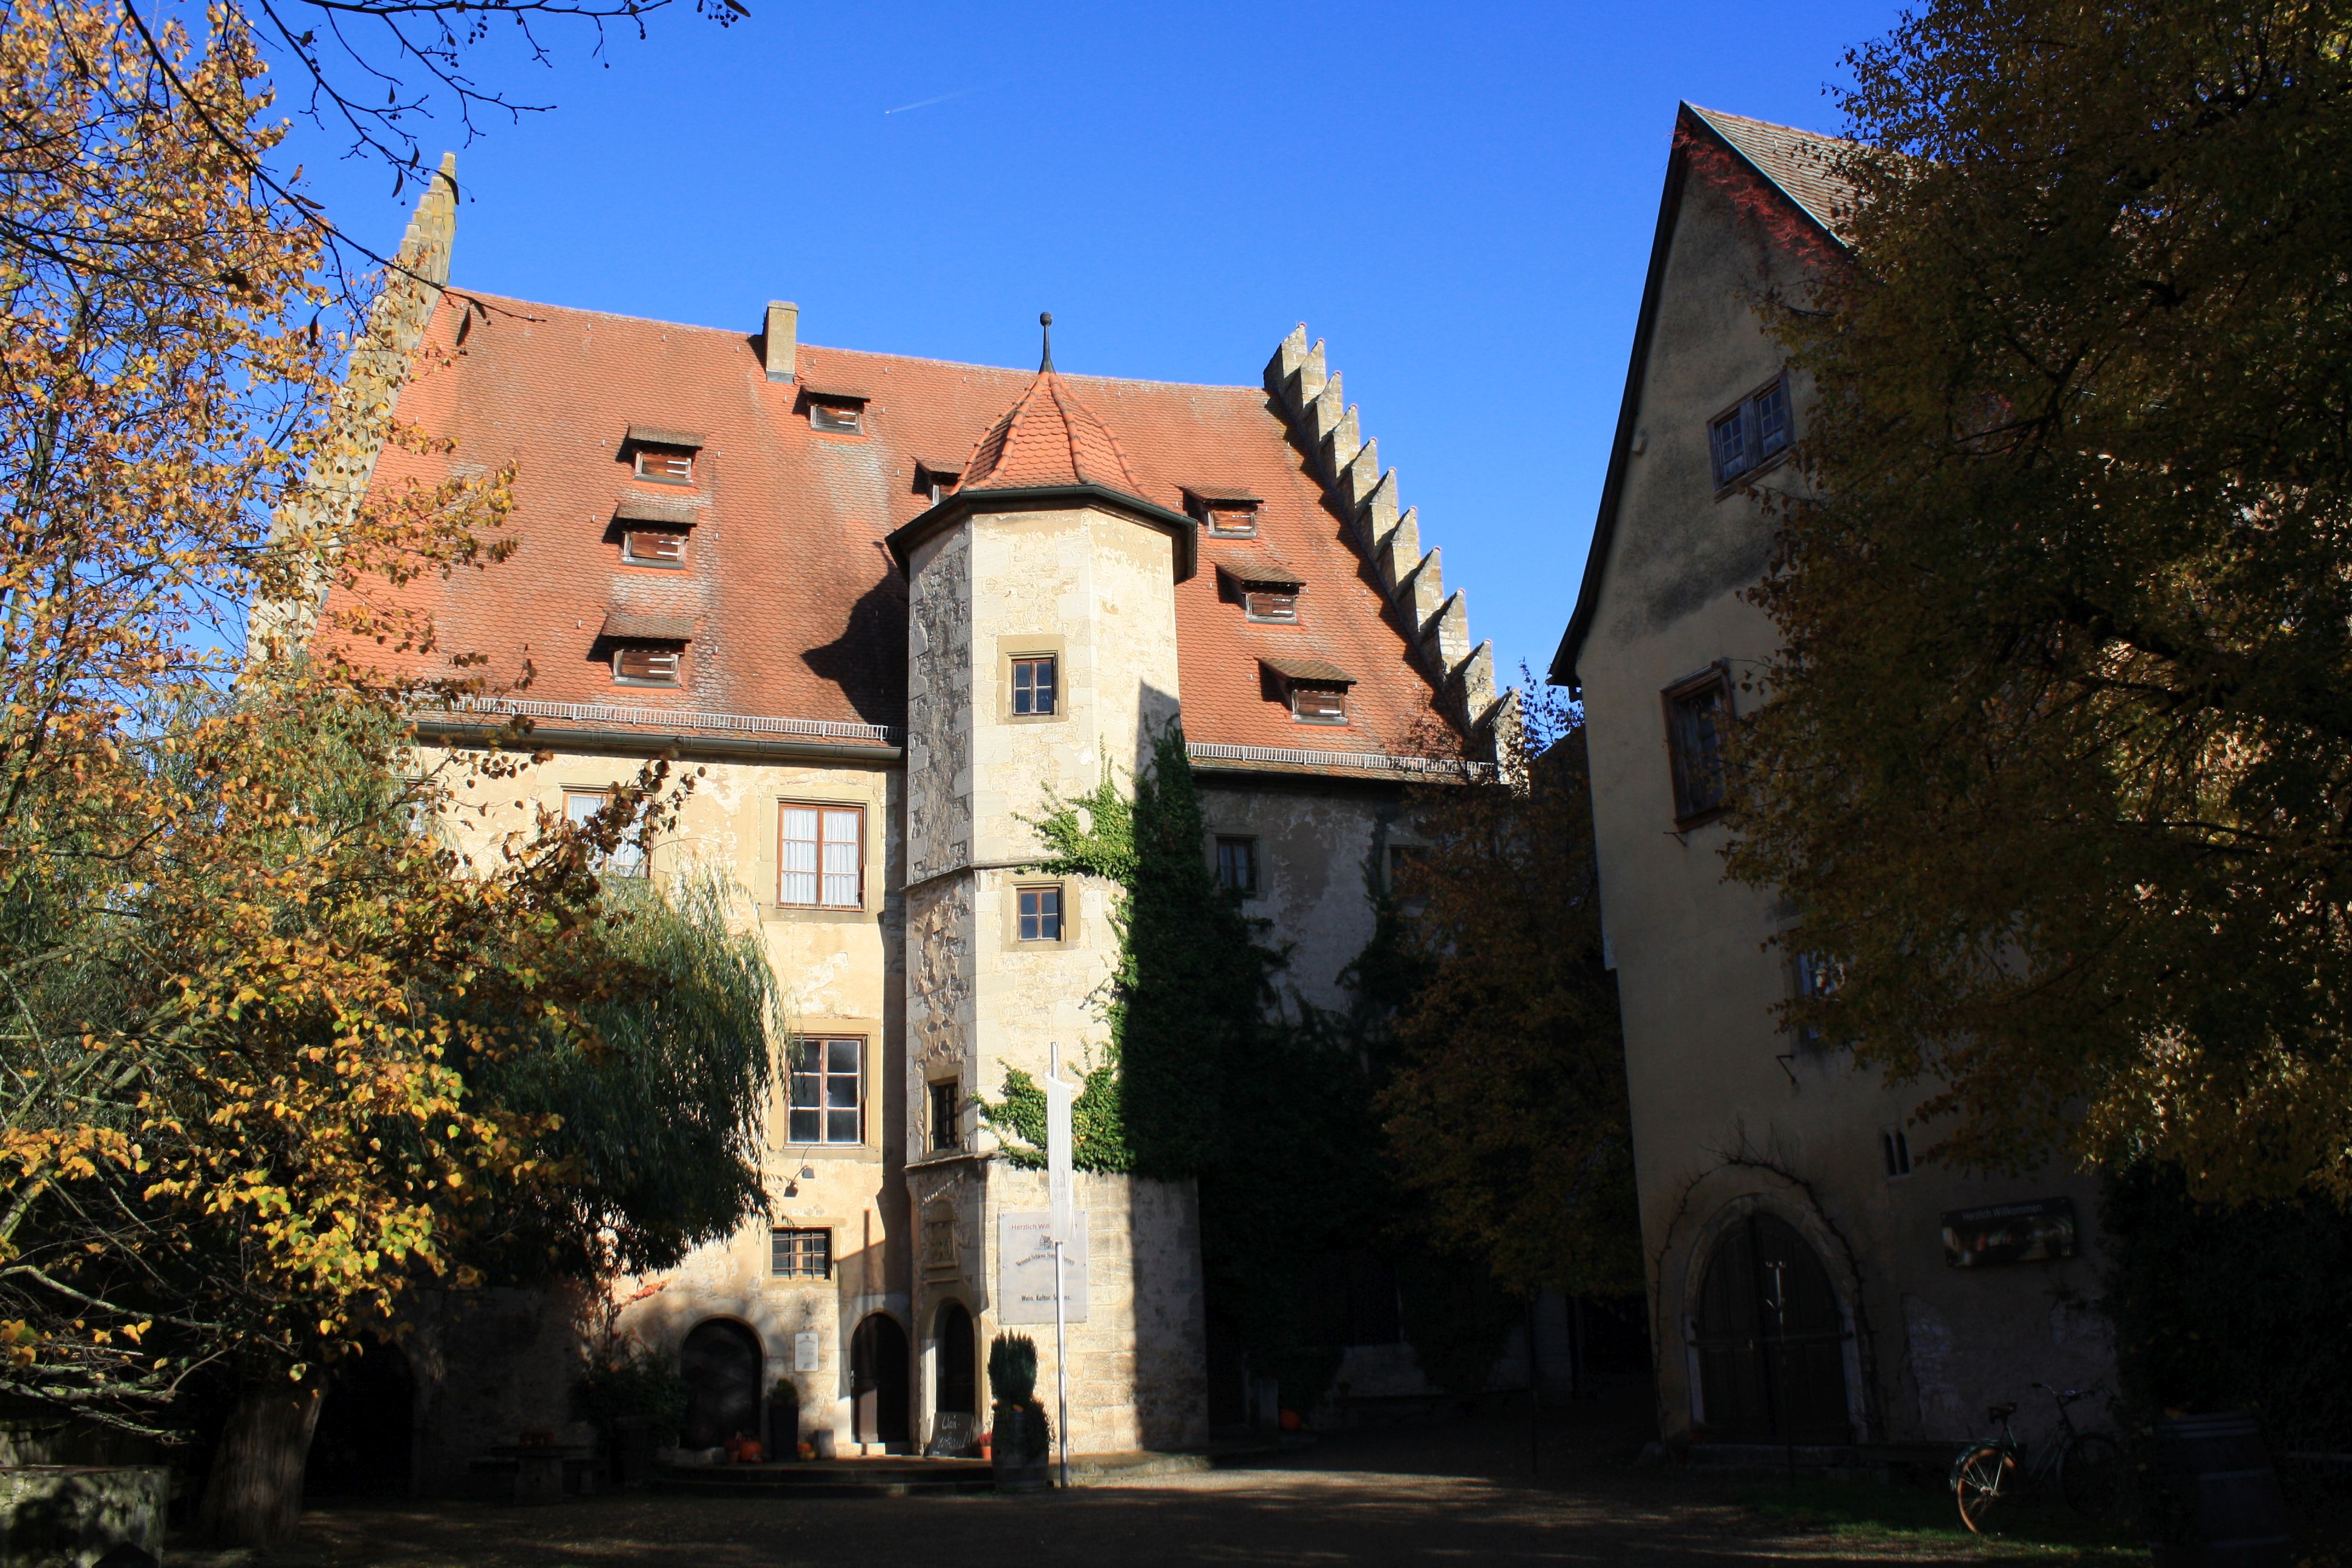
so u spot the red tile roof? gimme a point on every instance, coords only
(1803, 164)
(1048, 437)
(798, 611)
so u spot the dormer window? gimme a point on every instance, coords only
(1265, 589)
(1222, 511)
(1315, 691)
(654, 547)
(647, 650)
(664, 456)
(935, 478)
(670, 465)
(638, 664)
(839, 409)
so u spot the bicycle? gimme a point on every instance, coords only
(2087, 1466)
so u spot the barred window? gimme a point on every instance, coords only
(800, 1254)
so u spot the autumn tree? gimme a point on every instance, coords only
(273, 1052)
(1505, 1101)
(2056, 761)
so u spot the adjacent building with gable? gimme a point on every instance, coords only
(890, 609)
(1811, 1282)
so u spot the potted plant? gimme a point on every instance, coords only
(1020, 1445)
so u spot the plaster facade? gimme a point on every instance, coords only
(1732, 1117)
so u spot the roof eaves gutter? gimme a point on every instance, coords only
(653, 744)
(1185, 530)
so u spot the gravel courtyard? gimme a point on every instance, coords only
(1454, 1494)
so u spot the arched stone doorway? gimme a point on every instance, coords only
(877, 1379)
(1771, 1340)
(721, 1362)
(365, 1444)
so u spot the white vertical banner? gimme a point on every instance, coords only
(1059, 1095)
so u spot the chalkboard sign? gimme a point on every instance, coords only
(2032, 1232)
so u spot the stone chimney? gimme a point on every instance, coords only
(783, 343)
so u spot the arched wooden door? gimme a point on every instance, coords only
(878, 1379)
(1771, 1340)
(720, 1362)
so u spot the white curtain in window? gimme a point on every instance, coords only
(798, 886)
(841, 859)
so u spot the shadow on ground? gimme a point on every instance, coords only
(1452, 1492)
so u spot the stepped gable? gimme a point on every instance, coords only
(1437, 625)
(796, 608)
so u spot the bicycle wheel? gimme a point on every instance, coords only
(2091, 1475)
(1978, 1477)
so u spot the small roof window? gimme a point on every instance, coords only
(832, 406)
(934, 476)
(1265, 589)
(1226, 511)
(661, 454)
(1314, 690)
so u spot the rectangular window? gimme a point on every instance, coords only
(1238, 865)
(821, 856)
(947, 1115)
(1260, 604)
(640, 665)
(847, 417)
(654, 547)
(1758, 429)
(800, 1254)
(628, 857)
(1041, 915)
(1895, 1150)
(669, 465)
(1310, 705)
(1232, 521)
(1032, 686)
(828, 1091)
(1697, 709)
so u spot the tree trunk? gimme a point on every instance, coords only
(254, 1494)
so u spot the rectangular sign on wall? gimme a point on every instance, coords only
(2032, 1232)
(1024, 1268)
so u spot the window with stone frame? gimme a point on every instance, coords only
(1756, 430)
(821, 858)
(1699, 710)
(1039, 914)
(947, 1115)
(1238, 865)
(1036, 685)
(828, 1091)
(800, 1253)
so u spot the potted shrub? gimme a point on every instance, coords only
(1022, 1445)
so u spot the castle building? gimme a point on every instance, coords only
(889, 611)
(1811, 1281)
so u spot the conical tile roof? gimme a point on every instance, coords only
(1048, 438)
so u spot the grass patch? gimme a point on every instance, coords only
(1865, 1512)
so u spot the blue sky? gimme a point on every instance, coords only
(1459, 198)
